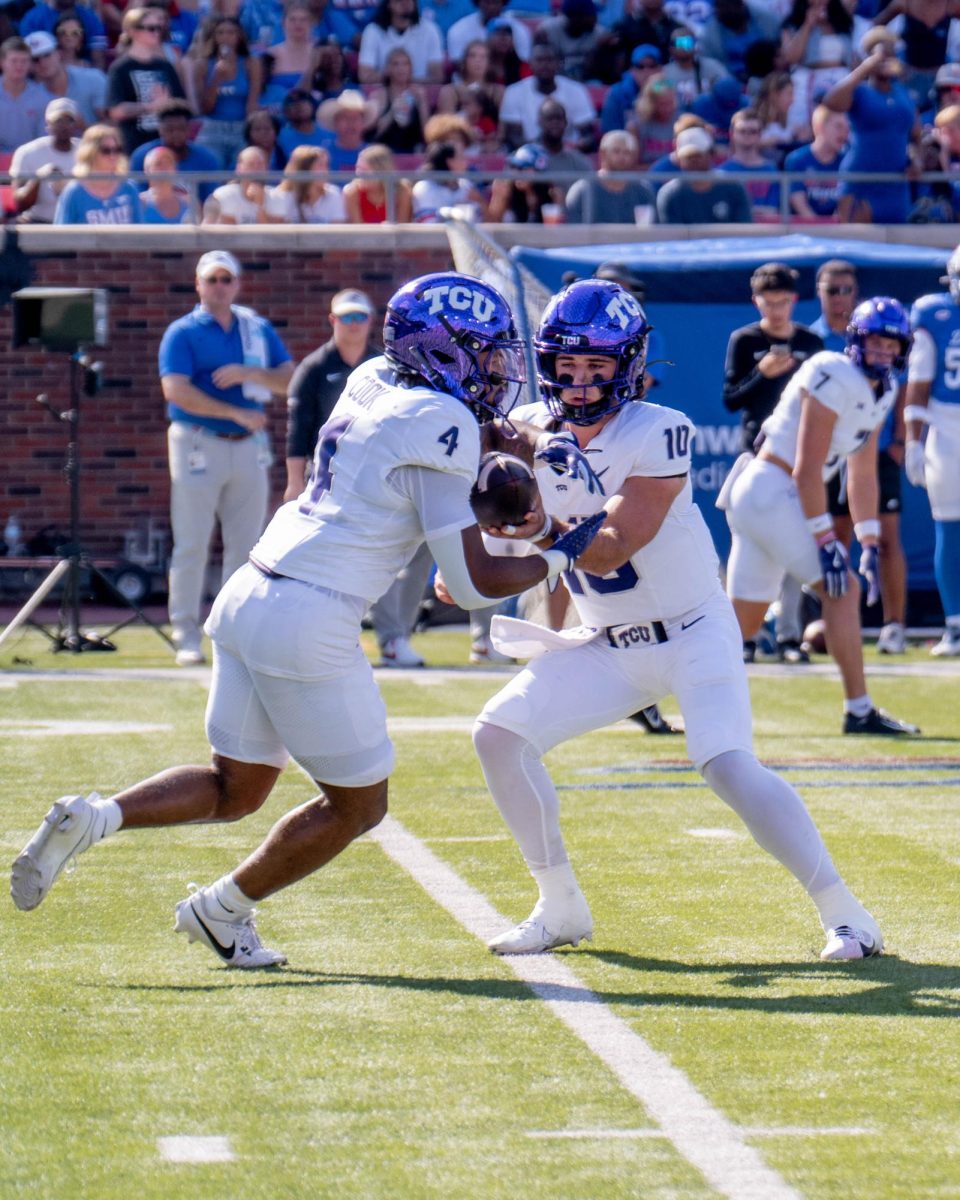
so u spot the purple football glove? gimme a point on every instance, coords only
(562, 454)
(870, 570)
(833, 567)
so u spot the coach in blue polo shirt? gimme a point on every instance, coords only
(219, 365)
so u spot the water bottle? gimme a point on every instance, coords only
(11, 535)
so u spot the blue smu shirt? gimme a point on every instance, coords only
(822, 197)
(760, 192)
(77, 206)
(939, 316)
(195, 346)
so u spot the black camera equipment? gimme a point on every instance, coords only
(72, 321)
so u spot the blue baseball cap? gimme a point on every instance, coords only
(645, 51)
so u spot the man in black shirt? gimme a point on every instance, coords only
(761, 358)
(321, 377)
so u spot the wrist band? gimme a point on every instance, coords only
(821, 524)
(545, 531)
(867, 529)
(916, 412)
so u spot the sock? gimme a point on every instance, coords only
(837, 905)
(225, 902)
(946, 567)
(558, 885)
(860, 706)
(775, 815)
(113, 817)
(954, 623)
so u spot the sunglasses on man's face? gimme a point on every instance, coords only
(839, 289)
(221, 279)
(353, 318)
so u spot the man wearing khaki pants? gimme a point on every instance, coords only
(219, 365)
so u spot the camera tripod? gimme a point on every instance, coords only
(75, 562)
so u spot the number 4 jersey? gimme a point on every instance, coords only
(364, 511)
(678, 569)
(840, 386)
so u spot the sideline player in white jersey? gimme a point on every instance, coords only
(933, 399)
(656, 621)
(776, 504)
(394, 465)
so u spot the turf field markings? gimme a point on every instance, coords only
(52, 728)
(480, 837)
(724, 834)
(905, 764)
(699, 1132)
(430, 724)
(670, 785)
(747, 1131)
(189, 1148)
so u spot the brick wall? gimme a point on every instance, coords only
(123, 430)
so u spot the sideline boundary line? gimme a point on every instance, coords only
(704, 1137)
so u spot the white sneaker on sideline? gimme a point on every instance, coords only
(71, 826)
(545, 930)
(483, 651)
(845, 942)
(397, 652)
(892, 639)
(190, 657)
(949, 644)
(236, 943)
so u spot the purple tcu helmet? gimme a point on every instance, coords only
(456, 334)
(592, 316)
(887, 317)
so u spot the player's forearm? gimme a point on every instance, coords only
(918, 396)
(518, 438)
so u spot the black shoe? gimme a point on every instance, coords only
(792, 653)
(749, 652)
(877, 721)
(653, 721)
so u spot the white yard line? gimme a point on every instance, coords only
(62, 728)
(701, 1134)
(764, 1131)
(192, 1149)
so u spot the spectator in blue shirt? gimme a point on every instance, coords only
(645, 62)
(745, 130)
(112, 200)
(300, 126)
(45, 16)
(219, 366)
(227, 82)
(734, 27)
(717, 106)
(819, 198)
(883, 127)
(175, 117)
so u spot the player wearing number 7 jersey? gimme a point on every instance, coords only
(394, 466)
(831, 410)
(655, 621)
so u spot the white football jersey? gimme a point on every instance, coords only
(354, 527)
(678, 569)
(840, 386)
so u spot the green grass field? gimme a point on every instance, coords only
(395, 1056)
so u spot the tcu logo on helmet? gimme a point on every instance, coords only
(623, 309)
(462, 299)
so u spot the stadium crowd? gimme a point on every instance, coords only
(584, 107)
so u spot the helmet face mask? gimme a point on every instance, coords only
(885, 317)
(593, 318)
(456, 334)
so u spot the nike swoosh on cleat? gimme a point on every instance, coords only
(225, 953)
(692, 623)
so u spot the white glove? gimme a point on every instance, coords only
(915, 463)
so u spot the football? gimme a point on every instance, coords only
(814, 638)
(505, 491)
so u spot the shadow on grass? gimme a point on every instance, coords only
(888, 987)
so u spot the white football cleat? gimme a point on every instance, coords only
(236, 943)
(845, 942)
(545, 930)
(71, 826)
(484, 651)
(949, 644)
(892, 639)
(397, 652)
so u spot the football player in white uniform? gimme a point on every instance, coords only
(933, 399)
(394, 465)
(832, 409)
(656, 621)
